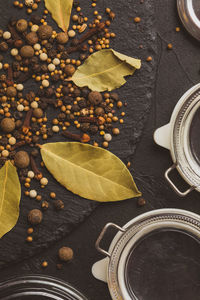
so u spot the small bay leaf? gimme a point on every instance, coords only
(10, 194)
(91, 172)
(61, 12)
(105, 70)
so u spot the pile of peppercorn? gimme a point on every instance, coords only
(41, 58)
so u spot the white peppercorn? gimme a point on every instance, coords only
(6, 35)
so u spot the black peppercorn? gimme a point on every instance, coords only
(49, 92)
(58, 204)
(93, 129)
(48, 46)
(82, 103)
(16, 66)
(3, 141)
(16, 133)
(44, 68)
(52, 53)
(77, 92)
(35, 216)
(75, 108)
(30, 96)
(141, 201)
(34, 60)
(64, 55)
(114, 96)
(50, 132)
(35, 152)
(61, 117)
(85, 91)
(65, 90)
(67, 100)
(35, 139)
(74, 42)
(2, 161)
(55, 77)
(85, 127)
(3, 46)
(35, 19)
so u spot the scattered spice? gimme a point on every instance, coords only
(141, 201)
(35, 217)
(41, 56)
(65, 254)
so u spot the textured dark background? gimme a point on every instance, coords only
(175, 71)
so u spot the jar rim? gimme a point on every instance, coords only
(38, 285)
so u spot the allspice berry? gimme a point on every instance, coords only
(7, 125)
(11, 91)
(38, 113)
(65, 254)
(27, 51)
(62, 38)
(95, 98)
(32, 38)
(45, 32)
(21, 25)
(69, 70)
(22, 159)
(35, 216)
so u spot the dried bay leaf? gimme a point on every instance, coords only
(61, 12)
(105, 70)
(91, 172)
(10, 194)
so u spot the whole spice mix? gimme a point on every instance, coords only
(45, 57)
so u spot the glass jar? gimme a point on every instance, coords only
(38, 287)
(154, 256)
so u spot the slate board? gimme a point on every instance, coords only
(138, 94)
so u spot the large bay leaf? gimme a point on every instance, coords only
(91, 172)
(105, 70)
(10, 194)
(61, 12)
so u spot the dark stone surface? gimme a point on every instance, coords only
(177, 70)
(137, 93)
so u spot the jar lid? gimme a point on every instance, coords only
(155, 256)
(189, 12)
(38, 287)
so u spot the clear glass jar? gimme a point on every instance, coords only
(38, 287)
